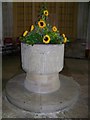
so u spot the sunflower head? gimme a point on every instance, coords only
(42, 32)
(32, 27)
(41, 24)
(54, 28)
(46, 12)
(25, 33)
(65, 40)
(63, 35)
(46, 39)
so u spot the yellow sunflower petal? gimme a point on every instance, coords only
(65, 40)
(63, 35)
(25, 33)
(46, 39)
(32, 27)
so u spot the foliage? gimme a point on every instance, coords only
(42, 32)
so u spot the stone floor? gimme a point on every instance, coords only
(76, 68)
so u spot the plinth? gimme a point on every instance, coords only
(41, 88)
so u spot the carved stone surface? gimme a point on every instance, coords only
(42, 64)
(42, 59)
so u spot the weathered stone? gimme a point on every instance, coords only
(41, 89)
(42, 59)
(42, 64)
(61, 99)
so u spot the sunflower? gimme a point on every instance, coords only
(41, 24)
(32, 27)
(46, 39)
(54, 28)
(63, 35)
(65, 40)
(46, 12)
(25, 33)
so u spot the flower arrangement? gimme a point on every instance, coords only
(42, 32)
